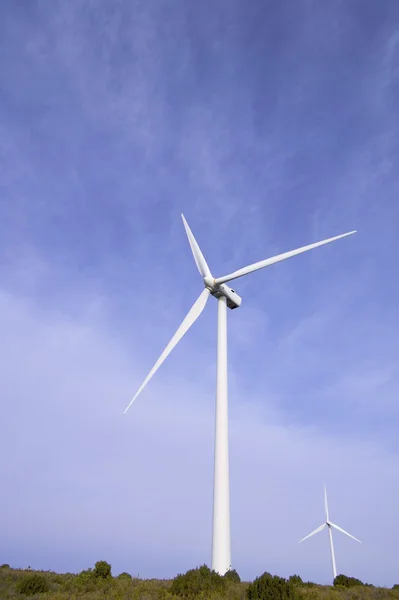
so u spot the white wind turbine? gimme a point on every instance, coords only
(330, 525)
(226, 298)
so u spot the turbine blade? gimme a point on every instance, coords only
(189, 320)
(325, 502)
(343, 531)
(195, 249)
(313, 532)
(276, 259)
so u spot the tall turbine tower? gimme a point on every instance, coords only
(330, 526)
(226, 297)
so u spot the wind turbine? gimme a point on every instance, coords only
(226, 297)
(330, 525)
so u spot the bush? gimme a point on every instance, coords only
(295, 579)
(84, 578)
(346, 581)
(124, 576)
(5, 566)
(269, 587)
(102, 569)
(233, 576)
(196, 581)
(33, 584)
(396, 586)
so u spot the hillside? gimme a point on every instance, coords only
(98, 582)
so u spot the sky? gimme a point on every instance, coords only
(270, 126)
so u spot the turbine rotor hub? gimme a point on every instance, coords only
(209, 283)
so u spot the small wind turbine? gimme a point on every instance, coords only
(330, 525)
(226, 298)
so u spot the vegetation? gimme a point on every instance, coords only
(124, 576)
(33, 584)
(102, 570)
(198, 581)
(232, 575)
(203, 584)
(271, 587)
(346, 581)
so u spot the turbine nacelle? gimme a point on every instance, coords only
(233, 299)
(217, 290)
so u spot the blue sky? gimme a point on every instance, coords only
(270, 125)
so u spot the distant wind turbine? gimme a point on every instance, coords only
(330, 525)
(226, 298)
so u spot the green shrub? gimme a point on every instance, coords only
(233, 576)
(33, 584)
(269, 587)
(295, 579)
(124, 576)
(346, 581)
(5, 566)
(102, 569)
(396, 586)
(196, 581)
(83, 579)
